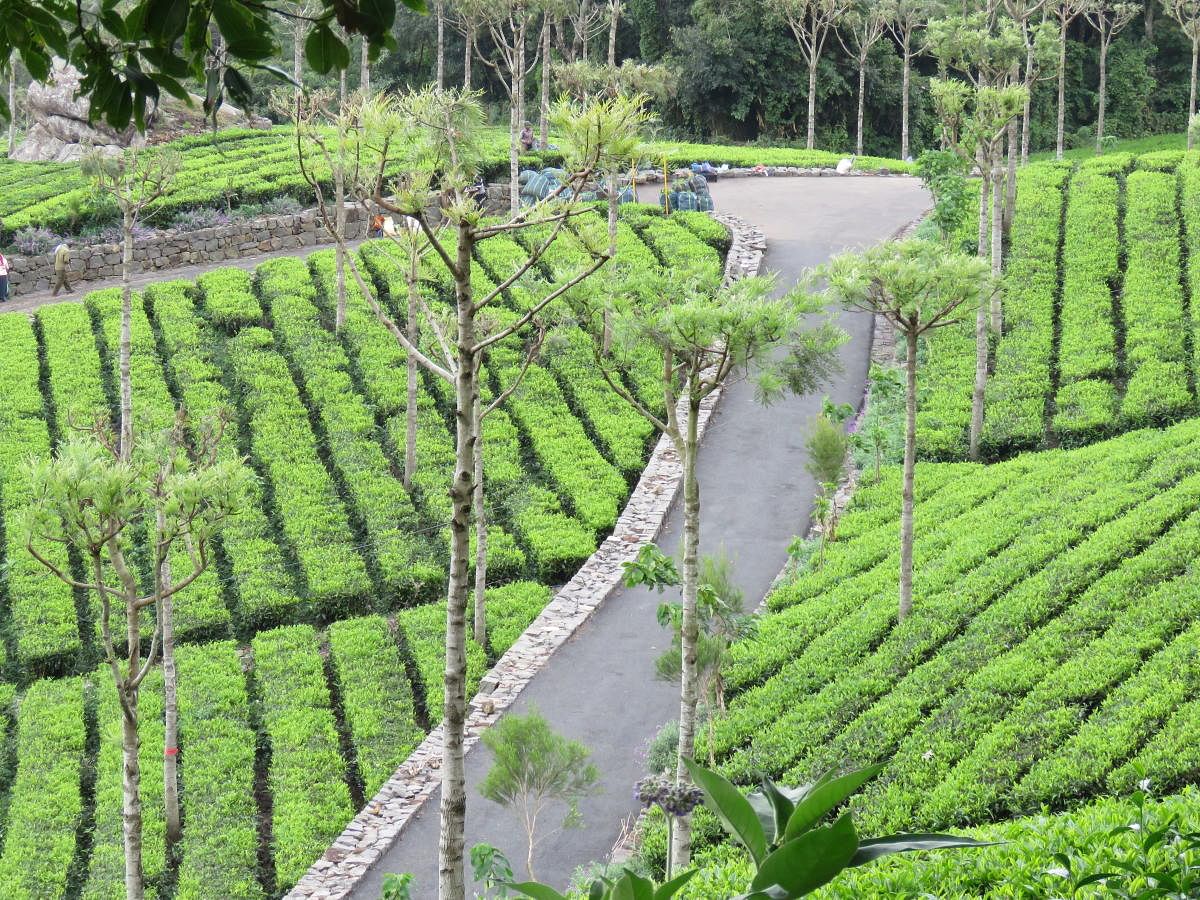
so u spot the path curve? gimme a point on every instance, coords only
(755, 496)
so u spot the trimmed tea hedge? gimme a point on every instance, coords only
(44, 802)
(1029, 672)
(307, 773)
(220, 835)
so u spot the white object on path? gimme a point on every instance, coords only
(844, 167)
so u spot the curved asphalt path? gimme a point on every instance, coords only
(600, 687)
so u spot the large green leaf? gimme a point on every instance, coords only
(631, 886)
(824, 797)
(669, 889)
(735, 812)
(873, 848)
(166, 19)
(324, 51)
(536, 891)
(809, 861)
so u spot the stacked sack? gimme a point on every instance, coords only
(688, 195)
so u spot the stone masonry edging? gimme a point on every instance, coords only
(371, 833)
(173, 249)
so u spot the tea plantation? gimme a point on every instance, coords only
(1101, 325)
(312, 651)
(240, 166)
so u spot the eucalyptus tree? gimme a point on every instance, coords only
(1109, 19)
(98, 498)
(1023, 14)
(614, 19)
(437, 136)
(1187, 14)
(509, 23)
(810, 22)
(708, 335)
(1064, 13)
(918, 286)
(905, 20)
(861, 30)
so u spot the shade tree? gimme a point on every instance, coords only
(918, 286)
(708, 336)
(98, 502)
(437, 134)
(811, 22)
(1109, 19)
(861, 29)
(1187, 14)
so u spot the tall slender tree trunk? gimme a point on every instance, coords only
(170, 703)
(1026, 127)
(905, 92)
(131, 807)
(514, 147)
(910, 464)
(364, 70)
(1010, 176)
(1062, 81)
(339, 190)
(981, 321)
(1103, 96)
(812, 102)
(681, 838)
(613, 21)
(131, 810)
(410, 411)
(481, 532)
(467, 53)
(454, 796)
(12, 104)
(128, 220)
(1149, 22)
(862, 89)
(997, 235)
(1192, 90)
(544, 110)
(440, 13)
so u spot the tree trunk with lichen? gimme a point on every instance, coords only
(681, 839)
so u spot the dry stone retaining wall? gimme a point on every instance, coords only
(165, 250)
(368, 836)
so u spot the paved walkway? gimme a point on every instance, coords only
(755, 496)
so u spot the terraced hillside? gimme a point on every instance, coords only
(239, 166)
(1101, 317)
(1052, 656)
(311, 655)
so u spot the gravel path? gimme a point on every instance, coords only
(755, 496)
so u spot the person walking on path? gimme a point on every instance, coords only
(3, 278)
(62, 262)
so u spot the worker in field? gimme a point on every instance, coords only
(62, 264)
(3, 278)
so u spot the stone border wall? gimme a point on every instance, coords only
(171, 249)
(369, 835)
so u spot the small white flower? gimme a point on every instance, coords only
(927, 755)
(1059, 872)
(1135, 827)
(1144, 785)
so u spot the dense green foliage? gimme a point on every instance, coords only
(311, 662)
(1049, 658)
(1100, 321)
